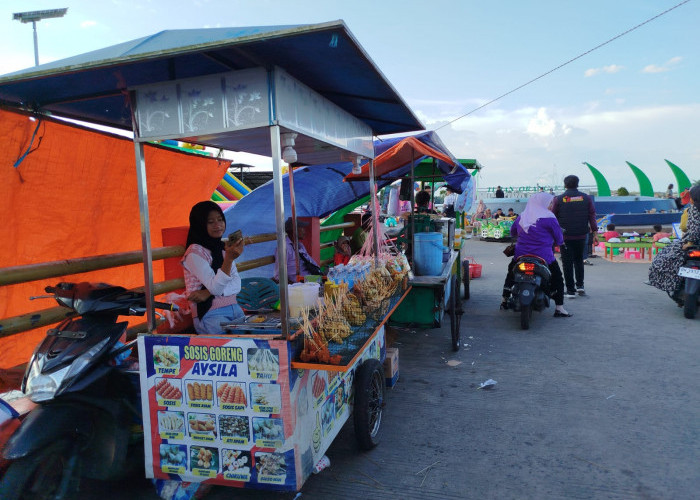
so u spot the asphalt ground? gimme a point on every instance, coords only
(605, 404)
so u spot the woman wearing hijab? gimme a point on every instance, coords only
(537, 231)
(342, 251)
(663, 272)
(211, 278)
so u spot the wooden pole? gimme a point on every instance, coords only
(44, 270)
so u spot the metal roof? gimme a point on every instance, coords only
(326, 57)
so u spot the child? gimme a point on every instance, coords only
(610, 233)
(658, 234)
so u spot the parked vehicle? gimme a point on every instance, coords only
(87, 422)
(690, 270)
(531, 276)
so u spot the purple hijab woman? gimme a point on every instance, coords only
(537, 231)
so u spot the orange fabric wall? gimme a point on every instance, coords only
(76, 196)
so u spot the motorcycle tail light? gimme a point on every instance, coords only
(694, 253)
(527, 267)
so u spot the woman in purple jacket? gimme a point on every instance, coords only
(537, 231)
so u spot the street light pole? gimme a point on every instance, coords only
(33, 17)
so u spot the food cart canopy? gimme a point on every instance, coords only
(325, 57)
(394, 157)
(320, 190)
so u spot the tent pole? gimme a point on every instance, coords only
(375, 212)
(146, 248)
(413, 208)
(276, 154)
(145, 234)
(293, 203)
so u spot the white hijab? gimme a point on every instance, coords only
(537, 208)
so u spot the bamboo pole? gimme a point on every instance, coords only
(333, 227)
(18, 324)
(45, 317)
(44, 270)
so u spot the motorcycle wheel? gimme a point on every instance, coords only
(690, 307)
(41, 475)
(525, 315)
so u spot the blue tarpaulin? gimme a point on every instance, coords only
(319, 191)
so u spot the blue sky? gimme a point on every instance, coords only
(635, 99)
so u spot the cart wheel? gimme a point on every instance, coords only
(369, 403)
(525, 315)
(455, 314)
(465, 278)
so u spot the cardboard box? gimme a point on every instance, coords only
(391, 366)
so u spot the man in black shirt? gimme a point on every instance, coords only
(499, 193)
(576, 214)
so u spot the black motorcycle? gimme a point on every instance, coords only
(87, 422)
(531, 276)
(689, 296)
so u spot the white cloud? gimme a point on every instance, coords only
(667, 66)
(88, 24)
(520, 146)
(612, 68)
(543, 126)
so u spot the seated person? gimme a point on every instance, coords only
(307, 265)
(511, 213)
(342, 251)
(487, 213)
(658, 233)
(499, 213)
(211, 278)
(610, 232)
(357, 240)
(423, 203)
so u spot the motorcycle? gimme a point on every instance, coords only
(87, 422)
(530, 276)
(690, 271)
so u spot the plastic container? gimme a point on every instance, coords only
(311, 291)
(296, 299)
(427, 254)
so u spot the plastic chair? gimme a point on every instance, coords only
(258, 293)
(632, 254)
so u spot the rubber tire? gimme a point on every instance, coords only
(370, 390)
(455, 315)
(465, 279)
(690, 306)
(525, 315)
(49, 464)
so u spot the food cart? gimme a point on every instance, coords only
(241, 410)
(435, 291)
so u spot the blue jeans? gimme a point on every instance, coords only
(211, 323)
(585, 246)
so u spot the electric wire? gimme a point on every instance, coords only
(562, 65)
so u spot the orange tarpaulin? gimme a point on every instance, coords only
(398, 156)
(75, 195)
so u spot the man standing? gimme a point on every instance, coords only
(576, 214)
(499, 192)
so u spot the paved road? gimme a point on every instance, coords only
(605, 404)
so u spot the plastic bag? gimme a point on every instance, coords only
(177, 321)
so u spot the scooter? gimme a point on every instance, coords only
(690, 271)
(530, 275)
(87, 422)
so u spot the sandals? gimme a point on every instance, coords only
(559, 314)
